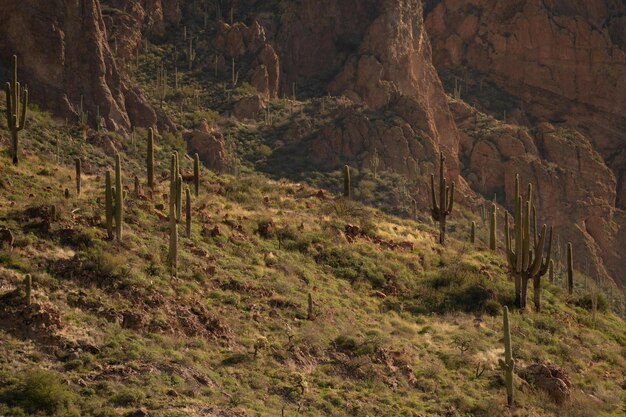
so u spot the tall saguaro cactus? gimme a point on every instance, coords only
(173, 250)
(508, 364)
(78, 174)
(17, 103)
(196, 174)
(150, 158)
(188, 212)
(108, 204)
(441, 209)
(570, 269)
(179, 197)
(492, 227)
(173, 183)
(347, 182)
(526, 258)
(473, 232)
(119, 198)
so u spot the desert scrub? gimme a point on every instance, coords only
(37, 391)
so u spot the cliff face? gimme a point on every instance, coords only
(377, 54)
(64, 54)
(565, 60)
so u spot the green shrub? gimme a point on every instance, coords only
(37, 391)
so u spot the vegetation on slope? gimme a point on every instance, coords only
(394, 330)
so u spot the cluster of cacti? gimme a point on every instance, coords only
(526, 257)
(441, 209)
(150, 158)
(570, 269)
(492, 228)
(77, 163)
(196, 174)
(508, 364)
(17, 103)
(347, 186)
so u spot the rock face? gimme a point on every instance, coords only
(564, 58)
(574, 189)
(376, 53)
(210, 147)
(239, 41)
(64, 54)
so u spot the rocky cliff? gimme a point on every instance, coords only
(64, 53)
(564, 62)
(564, 59)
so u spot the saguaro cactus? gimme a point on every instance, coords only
(78, 173)
(492, 228)
(473, 233)
(28, 283)
(347, 183)
(173, 252)
(108, 204)
(508, 364)
(570, 269)
(526, 260)
(179, 198)
(310, 308)
(441, 209)
(188, 212)
(196, 174)
(119, 198)
(17, 103)
(173, 183)
(150, 158)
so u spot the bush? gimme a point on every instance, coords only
(585, 302)
(38, 391)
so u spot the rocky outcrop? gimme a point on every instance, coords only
(64, 54)
(240, 41)
(549, 378)
(210, 147)
(565, 59)
(574, 189)
(375, 53)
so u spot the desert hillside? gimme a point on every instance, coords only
(320, 208)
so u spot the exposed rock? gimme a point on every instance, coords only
(66, 56)
(379, 56)
(549, 378)
(564, 58)
(210, 147)
(239, 40)
(249, 107)
(574, 190)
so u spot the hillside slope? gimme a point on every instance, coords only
(398, 324)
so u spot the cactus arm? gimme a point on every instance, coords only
(9, 105)
(518, 234)
(24, 105)
(548, 259)
(450, 199)
(526, 238)
(536, 265)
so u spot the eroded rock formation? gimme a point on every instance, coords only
(64, 54)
